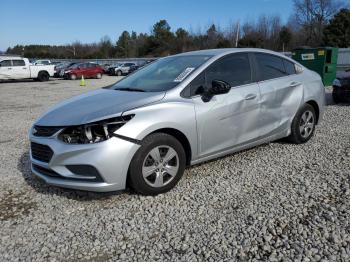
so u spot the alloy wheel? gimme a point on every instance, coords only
(160, 166)
(307, 124)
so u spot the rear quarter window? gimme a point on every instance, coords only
(289, 67)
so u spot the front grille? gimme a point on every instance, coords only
(41, 152)
(45, 131)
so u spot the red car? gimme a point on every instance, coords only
(88, 70)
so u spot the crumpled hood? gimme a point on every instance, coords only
(96, 105)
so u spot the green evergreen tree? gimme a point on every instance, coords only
(337, 32)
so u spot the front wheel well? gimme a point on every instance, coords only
(314, 104)
(182, 139)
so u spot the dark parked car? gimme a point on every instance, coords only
(105, 68)
(88, 70)
(121, 69)
(341, 87)
(111, 68)
(133, 68)
(59, 69)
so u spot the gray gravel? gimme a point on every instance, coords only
(277, 201)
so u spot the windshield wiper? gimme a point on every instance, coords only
(130, 89)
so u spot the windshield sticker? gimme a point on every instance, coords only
(183, 75)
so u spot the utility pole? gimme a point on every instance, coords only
(72, 50)
(237, 33)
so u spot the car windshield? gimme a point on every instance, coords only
(74, 66)
(162, 75)
(63, 64)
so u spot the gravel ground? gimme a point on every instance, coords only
(277, 201)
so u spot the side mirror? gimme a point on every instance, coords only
(218, 87)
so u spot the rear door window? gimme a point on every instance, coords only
(234, 69)
(18, 62)
(6, 63)
(269, 66)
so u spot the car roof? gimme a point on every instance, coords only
(224, 51)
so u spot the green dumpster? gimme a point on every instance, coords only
(322, 60)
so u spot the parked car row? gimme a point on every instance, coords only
(74, 70)
(14, 67)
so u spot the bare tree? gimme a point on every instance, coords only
(232, 32)
(313, 15)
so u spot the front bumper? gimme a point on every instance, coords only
(110, 158)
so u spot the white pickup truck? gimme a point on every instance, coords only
(20, 68)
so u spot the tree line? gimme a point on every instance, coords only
(313, 23)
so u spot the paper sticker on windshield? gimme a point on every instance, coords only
(183, 75)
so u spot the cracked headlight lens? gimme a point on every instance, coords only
(93, 132)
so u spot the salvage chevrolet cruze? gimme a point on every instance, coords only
(178, 111)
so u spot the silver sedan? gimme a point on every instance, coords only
(178, 111)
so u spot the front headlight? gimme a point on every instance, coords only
(93, 132)
(337, 82)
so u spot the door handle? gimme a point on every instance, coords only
(294, 84)
(24, 68)
(9, 68)
(250, 97)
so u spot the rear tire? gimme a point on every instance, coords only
(119, 73)
(335, 97)
(43, 76)
(303, 125)
(158, 165)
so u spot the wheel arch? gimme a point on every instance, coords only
(182, 139)
(314, 104)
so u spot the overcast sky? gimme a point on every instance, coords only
(65, 21)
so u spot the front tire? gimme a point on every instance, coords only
(303, 125)
(158, 165)
(119, 73)
(99, 76)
